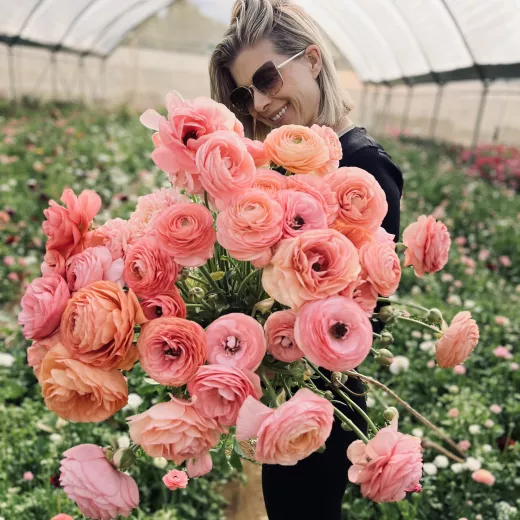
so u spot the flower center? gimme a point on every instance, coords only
(286, 342)
(189, 135)
(158, 311)
(316, 266)
(172, 351)
(297, 223)
(339, 330)
(231, 345)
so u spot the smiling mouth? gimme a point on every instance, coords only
(280, 114)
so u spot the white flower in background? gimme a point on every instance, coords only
(61, 423)
(416, 334)
(506, 511)
(495, 408)
(441, 461)
(417, 432)
(457, 467)
(371, 402)
(160, 462)
(123, 441)
(472, 464)
(31, 260)
(454, 299)
(453, 389)
(56, 438)
(489, 423)
(6, 360)
(399, 364)
(474, 429)
(134, 401)
(487, 448)
(416, 290)
(430, 469)
(427, 336)
(428, 346)
(469, 304)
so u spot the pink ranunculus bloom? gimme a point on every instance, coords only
(250, 226)
(99, 490)
(464, 445)
(302, 212)
(62, 516)
(149, 207)
(428, 245)
(484, 254)
(314, 265)
(93, 265)
(176, 431)
(333, 144)
(199, 466)
(113, 234)
(68, 226)
(226, 168)
(453, 413)
(9, 261)
(382, 266)
(363, 292)
(483, 476)
(458, 341)
(236, 340)
(501, 321)
(175, 479)
(505, 261)
(171, 350)
(502, 352)
(185, 232)
(386, 467)
(13, 277)
(257, 152)
(319, 189)
(431, 363)
(149, 270)
(362, 201)
(333, 333)
(495, 408)
(28, 475)
(178, 136)
(42, 306)
(38, 350)
(218, 392)
(289, 433)
(53, 262)
(279, 335)
(459, 370)
(169, 304)
(269, 181)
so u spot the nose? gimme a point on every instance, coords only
(260, 101)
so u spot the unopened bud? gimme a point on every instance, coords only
(265, 305)
(321, 449)
(390, 413)
(384, 357)
(218, 275)
(346, 427)
(196, 294)
(109, 453)
(386, 338)
(434, 317)
(298, 370)
(328, 395)
(338, 379)
(124, 458)
(387, 314)
(183, 274)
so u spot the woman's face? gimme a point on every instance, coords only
(300, 93)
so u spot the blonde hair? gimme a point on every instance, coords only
(291, 30)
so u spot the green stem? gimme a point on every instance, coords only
(268, 386)
(376, 335)
(199, 280)
(208, 277)
(244, 281)
(346, 420)
(287, 389)
(406, 304)
(417, 322)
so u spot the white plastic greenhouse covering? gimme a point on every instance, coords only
(386, 41)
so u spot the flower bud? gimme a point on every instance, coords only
(124, 458)
(109, 453)
(328, 395)
(390, 413)
(321, 449)
(346, 427)
(299, 370)
(387, 314)
(434, 317)
(196, 294)
(338, 379)
(218, 275)
(265, 305)
(183, 274)
(384, 357)
(386, 338)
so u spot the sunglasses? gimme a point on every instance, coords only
(267, 80)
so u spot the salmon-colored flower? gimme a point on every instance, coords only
(175, 479)
(270, 181)
(363, 292)
(382, 266)
(53, 263)
(115, 235)
(279, 335)
(257, 152)
(458, 341)
(333, 144)
(38, 350)
(169, 304)
(483, 476)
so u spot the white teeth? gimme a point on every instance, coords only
(280, 114)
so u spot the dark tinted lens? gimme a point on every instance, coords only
(267, 79)
(241, 99)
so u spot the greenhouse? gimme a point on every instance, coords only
(297, 299)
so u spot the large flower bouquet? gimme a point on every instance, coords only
(249, 289)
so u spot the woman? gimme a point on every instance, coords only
(274, 68)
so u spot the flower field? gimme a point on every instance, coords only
(44, 149)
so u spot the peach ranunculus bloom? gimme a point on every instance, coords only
(148, 208)
(38, 350)
(62, 516)
(226, 168)
(79, 392)
(93, 264)
(169, 304)
(149, 270)
(363, 292)
(53, 263)
(175, 479)
(458, 341)
(386, 467)
(428, 245)
(333, 144)
(319, 189)
(250, 226)
(279, 335)
(362, 201)
(269, 181)
(289, 433)
(178, 136)
(185, 232)
(382, 266)
(100, 490)
(42, 305)
(98, 326)
(296, 148)
(314, 265)
(67, 227)
(218, 392)
(171, 350)
(176, 431)
(236, 340)
(302, 212)
(257, 152)
(483, 476)
(113, 234)
(333, 333)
